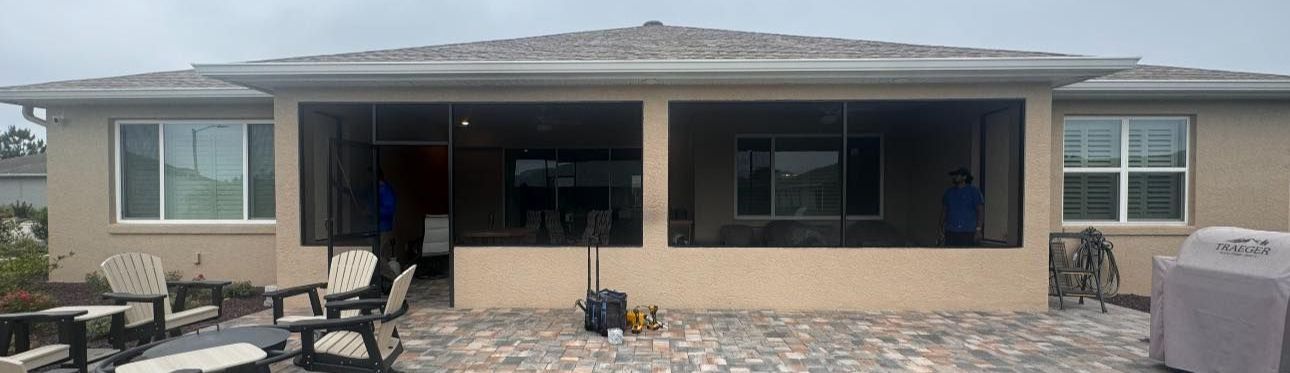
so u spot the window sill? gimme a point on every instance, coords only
(1135, 230)
(193, 229)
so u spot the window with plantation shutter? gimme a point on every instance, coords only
(195, 171)
(1151, 186)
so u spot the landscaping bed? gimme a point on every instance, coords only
(68, 294)
(1131, 301)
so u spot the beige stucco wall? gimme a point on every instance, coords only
(81, 190)
(1240, 173)
(787, 278)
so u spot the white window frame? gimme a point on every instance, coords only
(882, 178)
(1124, 170)
(161, 160)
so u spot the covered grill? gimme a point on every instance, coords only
(1221, 305)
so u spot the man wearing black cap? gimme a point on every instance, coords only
(961, 210)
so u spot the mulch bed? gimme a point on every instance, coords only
(1131, 301)
(68, 293)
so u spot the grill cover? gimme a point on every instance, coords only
(1225, 302)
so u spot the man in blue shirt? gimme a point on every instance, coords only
(961, 208)
(385, 224)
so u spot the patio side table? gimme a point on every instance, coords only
(78, 339)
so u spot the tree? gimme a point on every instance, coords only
(19, 142)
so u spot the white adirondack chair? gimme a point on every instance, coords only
(349, 277)
(139, 280)
(18, 325)
(369, 342)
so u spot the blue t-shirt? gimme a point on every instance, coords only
(961, 205)
(387, 207)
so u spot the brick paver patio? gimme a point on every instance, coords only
(437, 338)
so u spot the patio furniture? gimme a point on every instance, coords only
(228, 358)
(598, 225)
(77, 334)
(16, 327)
(554, 226)
(264, 338)
(349, 277)
(366, 343)
(138, 280)
(1075, 272)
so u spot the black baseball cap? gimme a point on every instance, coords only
(961, 171)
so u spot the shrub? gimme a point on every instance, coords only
(174, 276)
(40, 226)
(24, 262)
(22, 210)
(24, 301)
(242, 289)
(97, 282)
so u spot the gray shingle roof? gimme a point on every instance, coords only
(32, 164)
(663, 43)
(181, 79)
(653, 42)
(1157, 72)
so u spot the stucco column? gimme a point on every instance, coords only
(1037, 202)
(296, 264)
(655, 170)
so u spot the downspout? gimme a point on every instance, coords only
(29, 113)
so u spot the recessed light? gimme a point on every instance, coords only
(465, 123)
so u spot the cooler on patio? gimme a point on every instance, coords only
(1222, 305)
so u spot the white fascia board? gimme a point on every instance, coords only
(44, 96)
(672, 70)
(1176, 88)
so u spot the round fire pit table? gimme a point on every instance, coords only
(266, 338)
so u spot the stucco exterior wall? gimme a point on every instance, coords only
(779, 278)
(81, 201)
(1240, 170)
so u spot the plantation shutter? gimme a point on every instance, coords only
(1155, 195)
(1091, 196)
(1157, 143)
(203, 171)
(1092, 143)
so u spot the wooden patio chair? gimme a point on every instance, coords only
(1071, 278)
(138, 280)
(16, 327)
(349, 277)
(366, 343)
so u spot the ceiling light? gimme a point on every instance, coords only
(465, 123)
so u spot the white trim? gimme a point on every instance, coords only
(161, 160)
(24, 175)
(132, 94)
(1175, 88)
(882, 177)
(1124, 170)
(1057, 70)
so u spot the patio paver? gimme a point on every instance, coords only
(437, 338)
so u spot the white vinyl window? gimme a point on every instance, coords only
(1130, 170)
(190, 171)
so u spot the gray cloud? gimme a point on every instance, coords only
(57, 40)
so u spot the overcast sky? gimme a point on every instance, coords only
(57, 40)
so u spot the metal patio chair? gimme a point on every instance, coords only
(1069, 277)
(138, 280)
(366, 343)
(349, 277)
